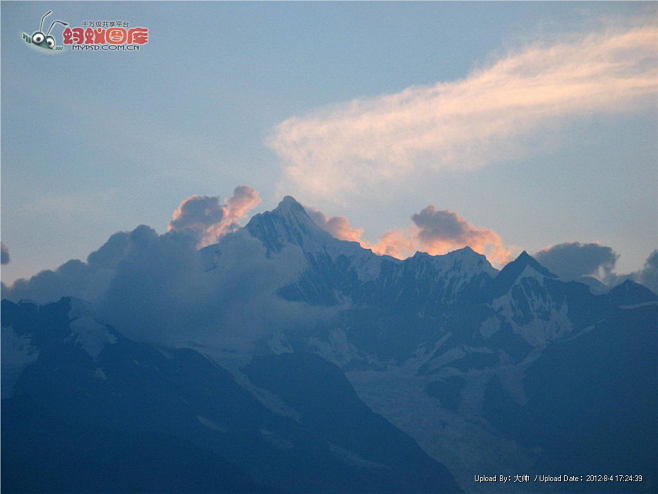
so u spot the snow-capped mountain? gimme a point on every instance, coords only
(337, 268)
(414, 366)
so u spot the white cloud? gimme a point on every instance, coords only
(357, 146)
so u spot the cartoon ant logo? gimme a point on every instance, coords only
(45, 41)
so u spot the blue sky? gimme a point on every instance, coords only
(94, 143)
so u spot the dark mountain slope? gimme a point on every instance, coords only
(172, 406)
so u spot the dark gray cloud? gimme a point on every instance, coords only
(571, 260)
(436, 224)
(4, 253)
(647, 276)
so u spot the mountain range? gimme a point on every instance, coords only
(367, 374)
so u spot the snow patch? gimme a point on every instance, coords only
(336, 348)
(210, 424)
(86, 331)
(234, 363)
(100, 374)
(635, 306)
(351, 458)
(91, 335)
(553, 322)
(278, 344)
(275, 440)
(489, 327)
(464, 444)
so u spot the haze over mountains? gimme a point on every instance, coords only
(282, 359)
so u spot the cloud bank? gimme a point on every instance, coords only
(354, 147)
(158, 288)
(169, 290)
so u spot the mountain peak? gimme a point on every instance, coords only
(466, 252)
(524, 260)
(287, 223)
(523, 264)
(289, 204)
(630, 292)
(461, 266)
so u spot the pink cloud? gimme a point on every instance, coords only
(372, 146)
(434, 231)
(338, 226)
(208, 219)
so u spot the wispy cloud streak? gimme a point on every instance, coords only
(338, 152)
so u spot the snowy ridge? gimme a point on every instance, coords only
(531, 311)
(91, 335)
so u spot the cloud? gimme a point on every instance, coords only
(434, 231)
(159, 288)
(397, 243)
(647, 276)
(4, 253)
(197, 221)
(207, 219)
(357, 147)
(163, 289)
(75, 278)
(571, 260)
(197, 214)
(439, 231)
(444, 230)
(244, 199)
(337, 226)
